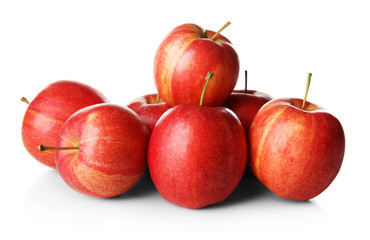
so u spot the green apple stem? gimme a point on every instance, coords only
(46, 148)
(246, 80)
(209, 75)
(219, 31)
(307, 87)
(23, 99)
(157, 101)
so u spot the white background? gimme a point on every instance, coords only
(110, 45)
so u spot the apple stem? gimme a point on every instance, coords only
(157, 101)
(209, 75)
(23, 99)
(219, 31)
(246, 80)
(307, 87)
(45, 148)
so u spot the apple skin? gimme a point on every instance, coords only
(246, 105)
(46, 114)
(197, 155)
(149, 109)
(182, 61)
(295, 153)
(112, 154)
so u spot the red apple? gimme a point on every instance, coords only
(46, 114)
(149, 109)
(246, 105)
(109, 147)
(295, 153)
(197, 155)
(183, 59)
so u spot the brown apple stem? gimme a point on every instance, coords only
(246, 80)
(307, 87)
(209, 75)
(23, 99)
(219, 31)
(46, 148)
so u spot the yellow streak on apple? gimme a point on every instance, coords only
(91, 117)
(264, 136)
(73, 143)
(175, 52)
(101, 183)
(41, 118)
(40, 115)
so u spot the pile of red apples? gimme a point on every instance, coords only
(195, 135)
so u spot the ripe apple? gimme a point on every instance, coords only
(246, 105)
(197, 155)
(296, 148)
(183, 59)
(101, 151)
(149, 108)
(46, 114)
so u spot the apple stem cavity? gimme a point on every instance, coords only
(307, 87)
(219, 31)
(23, 99)
(209, 76)
(46, 148)
(246, 81)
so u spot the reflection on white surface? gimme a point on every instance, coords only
(50, 207)
(49, 193)
(50, 198)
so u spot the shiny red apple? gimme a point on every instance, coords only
(46, 114)
(106, 150)
(295, 152)
(183, 59)
(197, 154)
(246, 105)
(149, 108)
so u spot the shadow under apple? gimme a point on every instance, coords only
(50, 185)
(49, 190)
(250, 189)
(145, 187)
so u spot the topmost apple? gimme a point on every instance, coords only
(183, 59)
